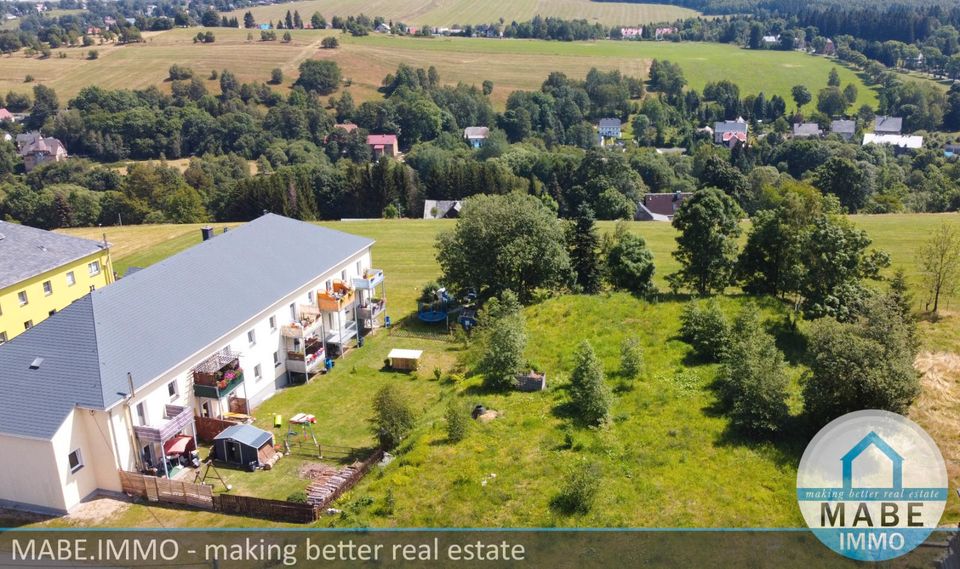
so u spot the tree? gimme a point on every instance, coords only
(287, 38)
(848, 180)
(392, 417)
(457, 422)
(248, 21)
(588, 389)
(487, 87)
(753, 379)
(865, 364)
(504, 338)
(831, 102)
(631, 358)
(940, 264)
(322, 77)
(330, 42)
(629, 263)
(93, 54)
(850, 93)
(318, 21)
(705, 327)
(583, 244)
(801, 95)
(276, 76)
(579, 490)
(833, 80)
(709, 224)
(504, 242)
(45, 105)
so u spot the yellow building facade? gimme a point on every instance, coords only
(42, 272)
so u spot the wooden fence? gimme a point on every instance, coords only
(262, 508)
(351, 475)
(157, 489)
(210, 427)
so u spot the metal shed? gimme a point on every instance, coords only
(240, 445)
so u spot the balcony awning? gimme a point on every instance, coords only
(177, 419)
(216, 361)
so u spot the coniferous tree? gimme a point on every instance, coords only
(583, 244)
(591, 396)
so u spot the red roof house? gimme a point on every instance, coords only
(383, 145)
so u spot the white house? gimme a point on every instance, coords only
(898, 141)
(113, 380)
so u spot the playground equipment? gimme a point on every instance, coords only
(301, 431)
(435, 310)
(468, 311)
(201, 476)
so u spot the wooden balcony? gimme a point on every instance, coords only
(218, 376)
(339, 297)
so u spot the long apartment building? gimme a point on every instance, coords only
(108, 382)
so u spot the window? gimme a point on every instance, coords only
(293, 311)
(252, 337)
(359, 272)
(329, 285)
(257, 372)
(28, 324)
(273, 323)
(93, 288)
(22, 296)
(75, 460)
(71, 279)
(47, 288)
(310, 297)
(142, 413)
(172, 390)
(93, 268)
(343, 275)
(3, 337)
(276, 359)
(52, 312)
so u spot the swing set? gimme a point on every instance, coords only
(299, 431)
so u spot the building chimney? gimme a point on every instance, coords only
(207, 232)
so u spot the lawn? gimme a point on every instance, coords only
(455, 12)
(510, 64)
(668, 458)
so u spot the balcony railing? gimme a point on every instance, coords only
(370, 279)
(372, 309)
(220, 388)
(337, 298)
(177, 419)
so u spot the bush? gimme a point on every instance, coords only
(629, 263)
(392, 417)
(298, 497)
(631, 358)
(457, 422)
(179, 72)
(391, 211)
(322, 77)
(28, 79)
(579, 490)
(93, 54)
(330, 42)
(504, 340)
(276, 76)
(753, 380)
(706, 329)
(589, 391)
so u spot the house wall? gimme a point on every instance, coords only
(13, 316)
(99, 470)
(29, 478)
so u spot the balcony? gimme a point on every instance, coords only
(371, 309)
(370, 279)
(177, 419)
(308, 326)
(306, 357)
(217, 376)
(339, 297)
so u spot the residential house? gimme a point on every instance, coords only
(887, 125)
(844, 128)
(770, 41)
(383, 28)
(661, 33)
(108, 383)
(5, 115)
(899, 142)
(829, 48)
(806, 130)
(729, 133)
(609, 127)
(951, 150)
(476, 135)
(383, 145)
(42, 272)
(660, 207)
(35, 149)
(347, 126)
(631, 33)
(441, 209)
(110, 21)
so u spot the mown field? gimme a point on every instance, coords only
(452, 12)
(510, 64)
(668, 457)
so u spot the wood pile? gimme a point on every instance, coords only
(331, 483)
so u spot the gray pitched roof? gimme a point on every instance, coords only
(888, 124)
(843, 126)
(27, 251)
(806, 129)
(151, 321)
(730, 126)
(246, 434)
(609, 123)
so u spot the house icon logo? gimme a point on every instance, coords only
(872, 485)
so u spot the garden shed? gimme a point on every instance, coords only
(243, 446)
(405, 360)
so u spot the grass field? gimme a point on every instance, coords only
(510, 64)
(452, 12)
(668, 457)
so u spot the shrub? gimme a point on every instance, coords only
(590, 393)
(504, 340)
(392, 417)
(391, 211)
(298, 497)
(629, 263)
(28, 79)
(330, 42)
(579, 490)
(276, 76)
(457, 422)
(631, 358)
(93, 54)
(706, 329)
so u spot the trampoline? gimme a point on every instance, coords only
(432, 316)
